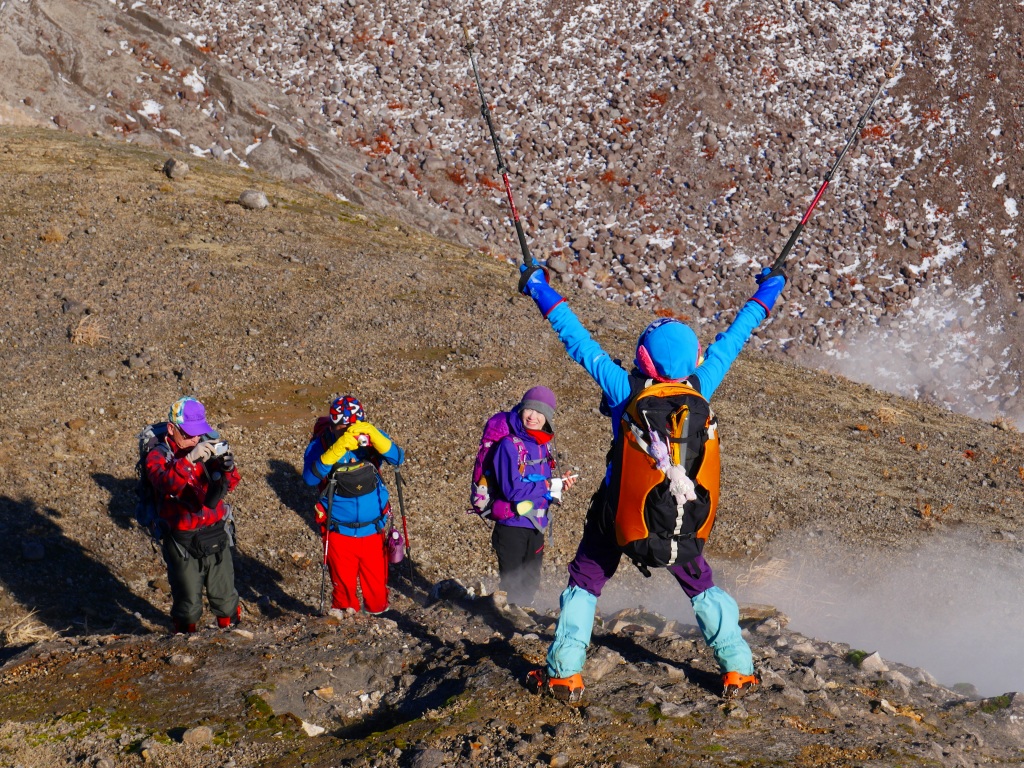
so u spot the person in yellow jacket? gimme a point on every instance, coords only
(343, 458)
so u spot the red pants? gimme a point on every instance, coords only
(351, 559)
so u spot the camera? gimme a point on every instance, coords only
(215, 464)
(220, 446)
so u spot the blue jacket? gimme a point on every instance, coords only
(524, 491)
(614, 379)
(356, 516)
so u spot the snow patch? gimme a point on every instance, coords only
(194, 81)
(150, 109)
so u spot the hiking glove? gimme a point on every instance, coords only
(770, 284)
(534, 283)
(202, 452)
(555, 494)
(227, 461)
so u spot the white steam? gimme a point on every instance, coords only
(941, 349)
(952, 607)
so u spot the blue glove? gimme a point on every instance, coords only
(534, 283)
(770, 284)
(534, 478)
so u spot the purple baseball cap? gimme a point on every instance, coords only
(189, 415)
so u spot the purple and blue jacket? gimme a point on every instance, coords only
(524, 492)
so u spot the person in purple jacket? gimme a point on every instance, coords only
(667, 351)
(523, 469)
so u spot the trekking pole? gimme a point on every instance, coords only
(323, 574)
(528, 259)
(405, 527)
(781, 260)
(331, 483)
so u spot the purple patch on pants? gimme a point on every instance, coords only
(598, 555)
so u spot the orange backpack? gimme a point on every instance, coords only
(653, 529)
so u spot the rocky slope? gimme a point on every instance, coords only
(124, 288)
(660, 152)
(438, 685)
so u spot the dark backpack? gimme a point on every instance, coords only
(146, 513)
(653, 529)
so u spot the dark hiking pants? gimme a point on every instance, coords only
(520, 555)
(188, 575)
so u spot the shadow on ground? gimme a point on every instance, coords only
(69, 590)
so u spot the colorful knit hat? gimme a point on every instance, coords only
(347, 410)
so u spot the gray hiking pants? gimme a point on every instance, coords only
(188, 575)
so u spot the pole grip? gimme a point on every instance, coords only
(781, 260)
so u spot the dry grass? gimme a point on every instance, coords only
(889, 415)
(88, 332)
(53, 235)
(774, 570)
(26, 630)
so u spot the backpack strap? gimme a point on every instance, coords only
(524, 457)
(524, 462)
(376, 523)
(161, 446)
(637, 385)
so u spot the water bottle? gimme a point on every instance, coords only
(396, 546)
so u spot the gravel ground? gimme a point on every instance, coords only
(267, 314)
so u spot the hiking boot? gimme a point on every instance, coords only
(569, 689)
(230, 621)
(183, 628)
(735, 683)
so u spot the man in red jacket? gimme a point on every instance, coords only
(191, 471)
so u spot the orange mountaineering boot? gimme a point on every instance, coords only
(569, 689)
(734, 683)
